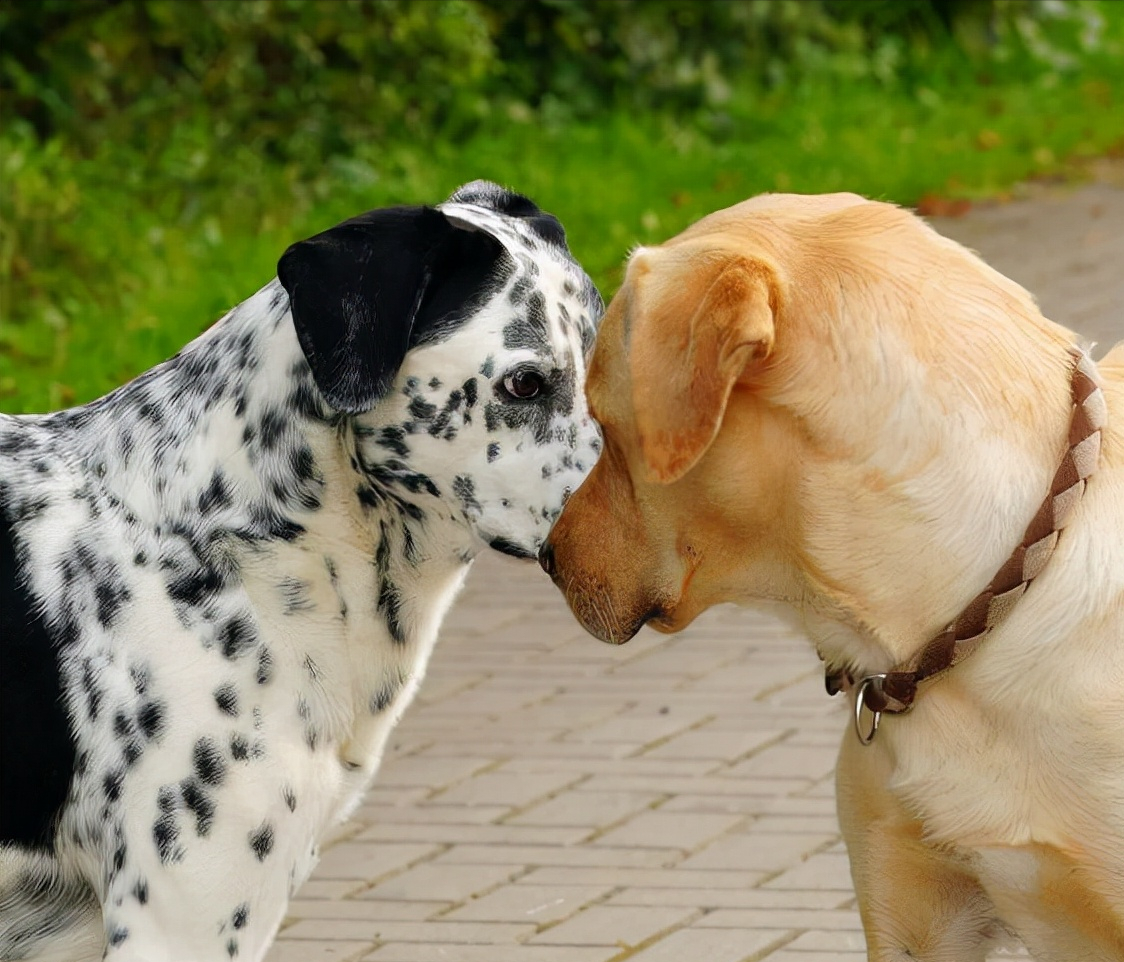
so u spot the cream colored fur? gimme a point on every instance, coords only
(822, 402)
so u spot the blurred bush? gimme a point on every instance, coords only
(187, 83)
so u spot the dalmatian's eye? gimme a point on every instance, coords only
(523, 384)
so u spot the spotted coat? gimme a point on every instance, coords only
(222, 582)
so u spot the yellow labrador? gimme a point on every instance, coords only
(821, 402)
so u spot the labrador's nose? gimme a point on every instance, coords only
(546, 558)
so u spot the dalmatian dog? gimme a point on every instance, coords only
(221, 583)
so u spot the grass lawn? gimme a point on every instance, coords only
(111, 264)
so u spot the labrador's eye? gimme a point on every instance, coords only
(524, 384)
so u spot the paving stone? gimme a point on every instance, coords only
(505, 788)
(709, 742)
(333, 951)
(711, 945)
(776, 918)
(468, 933)
(587, 810)
(809, 904)
(431, 773)
(363, 906)
(763, 851)
(361, 860)
(624, 927)
(585, 855)
(528, 902)
(487, 953)
(838, 940)
(428, 883)
(677, 830)
(451, 833)
(825, 871)
(787, 761)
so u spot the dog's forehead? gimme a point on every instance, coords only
(547, 305)
(532, 249)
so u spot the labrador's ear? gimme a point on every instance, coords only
(693, 332)
(366, 291)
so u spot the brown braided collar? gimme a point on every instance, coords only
(894, 691)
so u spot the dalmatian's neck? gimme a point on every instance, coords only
(277, 546)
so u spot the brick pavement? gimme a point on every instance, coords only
(552, 799)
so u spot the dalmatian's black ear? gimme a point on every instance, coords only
(366, 291)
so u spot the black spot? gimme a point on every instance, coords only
(529, 330)
(215, 495)
(470, 391)
(422, 409)
(440, 425)
(435, 383)
(90, 687)
(207, 762)
(166, 834)
(140, 891)
(381, 699)
(111, 783)
(140, 559)
(493, 451)
(240, 916)
(465, 489)
(409, 545)
(132, 751)
(119, 856)
(368, 496)
(232, 947)
(294, 595)
(488, 368)
(194, 588)
(226, 697)
(139, 675)
(265, 666)
(118, 934)
(271, 525)
(306, 401)
(511, 548)
(122, 725)
(520, 290)
(271, 428)
(312, 668)
(261, 841)
(290, 798)
(150, 718)
(199, 802)
(304, 464)
(390, 604)
(237, 637)
(394, 439)
(239, 747)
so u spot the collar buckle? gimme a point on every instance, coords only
(870, 689)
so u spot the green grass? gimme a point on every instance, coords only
(111, 266)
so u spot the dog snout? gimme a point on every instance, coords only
(546, 558)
